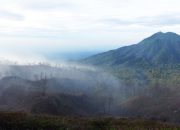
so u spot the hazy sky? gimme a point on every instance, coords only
(82, 25)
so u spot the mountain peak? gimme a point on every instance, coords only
(160, 48)
(168, 37)
(162, 34)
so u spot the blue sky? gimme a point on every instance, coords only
(41, 26)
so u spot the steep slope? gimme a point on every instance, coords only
(158, 49)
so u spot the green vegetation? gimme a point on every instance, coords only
(151, 92)
(22, 121)
(166, 76)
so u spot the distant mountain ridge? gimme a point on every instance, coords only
(158, 49)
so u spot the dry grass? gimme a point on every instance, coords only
(23, 121)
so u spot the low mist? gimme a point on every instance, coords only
(22, 82)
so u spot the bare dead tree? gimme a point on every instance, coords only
(110, 101)
(44, 85)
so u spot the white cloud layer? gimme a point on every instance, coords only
(75, 25)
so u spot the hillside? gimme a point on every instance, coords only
(150, 70)
(18, 94)
(158, 49)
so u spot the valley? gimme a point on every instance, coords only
(140, 83)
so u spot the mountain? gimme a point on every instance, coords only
(150, 71)
(158, 49)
